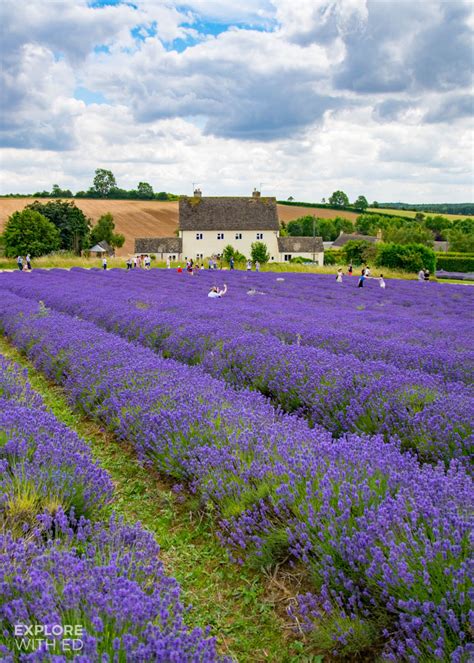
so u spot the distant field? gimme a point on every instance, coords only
(411, 215)
(149, 218)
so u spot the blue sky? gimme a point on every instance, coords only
(304, 96)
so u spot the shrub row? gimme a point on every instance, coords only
(385, 540)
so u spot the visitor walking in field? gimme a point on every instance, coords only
(104, 263)
(427, 274)
(168, 263)
(350, 269)
(381, 282)
(339, 275)
(129, 263)
(421, 275)
(362, 278)
(215, 292)
(28, 262)
(249, 265)
(231, 262)
(19, 262)
(257, 266)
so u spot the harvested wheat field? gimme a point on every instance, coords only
(148, 218)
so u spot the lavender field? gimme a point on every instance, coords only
(324, 426)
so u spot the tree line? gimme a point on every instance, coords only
(58, 225)
(104, 185)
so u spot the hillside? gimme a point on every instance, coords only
(148, 218)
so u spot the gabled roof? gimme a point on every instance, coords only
(228, 213)
(158, 245)
(98, 249)
(105, 245)
(300, 244)
(353, 237)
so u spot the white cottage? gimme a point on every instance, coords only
(207, 225)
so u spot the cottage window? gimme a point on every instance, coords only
(287, 257)
(173, 258)
(220, 235)
(238, 235)
(259, 235)
(198, 235)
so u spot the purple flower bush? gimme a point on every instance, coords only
(384, 539)
(105, 578)
(427, 411)
(63, 567)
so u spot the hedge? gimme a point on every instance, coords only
(409, 257)
(455, 263)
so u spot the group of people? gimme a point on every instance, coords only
(365, 274)
(139, 262)
(24, 262)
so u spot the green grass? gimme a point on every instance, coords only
(411, 214)
(244, 609)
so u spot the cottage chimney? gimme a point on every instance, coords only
(255, 194)
(197, 193)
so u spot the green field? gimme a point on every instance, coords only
(411, 215)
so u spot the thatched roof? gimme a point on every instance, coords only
(353, 237)
(228, 213)
(158, 245)
(300, 244)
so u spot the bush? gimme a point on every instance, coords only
(357, 251)
(259, 252)
(332, 257)
(409, 257)
(455, 263)
(299, 260)
(30, 232)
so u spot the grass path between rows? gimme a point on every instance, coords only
(243, 608)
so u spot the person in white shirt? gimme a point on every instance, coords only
(421, 275)
(381, 282)
(339, 276)
(257, 266)
(104, 263)
(367, 271)
(249, 265)
(214, 292)
(168, 263)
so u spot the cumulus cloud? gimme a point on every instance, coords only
(307, 96)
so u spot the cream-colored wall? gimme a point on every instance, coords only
(318, 257)
(209, 245)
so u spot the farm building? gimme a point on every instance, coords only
(349, 237)
(311, 248)
(207, 225)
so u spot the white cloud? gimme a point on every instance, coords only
(311, 96)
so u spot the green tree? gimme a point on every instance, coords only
(361, 203)
(72, 223)
(57, 192)
(104, 182)
(438, 225)
(461, 242)
(343, 224)
(339, 199)
(145, 191)
(161, 195)
(259, 252)
(409, 257)
(356, 251)
(30, 232)
(229, 252)
(104, 230)
(408, 234)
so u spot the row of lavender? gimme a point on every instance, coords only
(410, 325)
(86, 586)
(384, 539)
(342, 392)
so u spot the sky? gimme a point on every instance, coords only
(294, 97)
